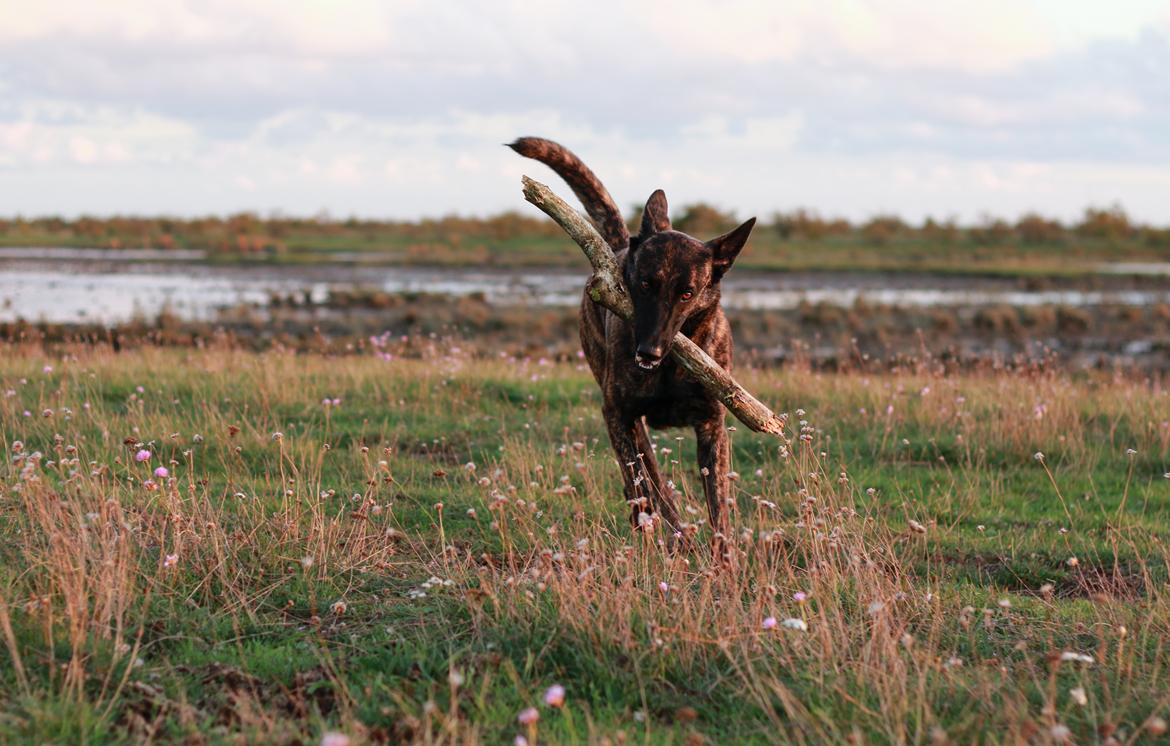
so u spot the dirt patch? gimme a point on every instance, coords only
(1052, 577)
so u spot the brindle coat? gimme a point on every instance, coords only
(673, 280)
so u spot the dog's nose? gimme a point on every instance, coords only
(650, 353)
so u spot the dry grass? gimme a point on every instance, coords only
(421, 560)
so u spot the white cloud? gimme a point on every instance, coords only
(978, 36)
(363, 106)
(83, 149)
(766, 133)
(48, 131)
(305, 27)
(948, 34)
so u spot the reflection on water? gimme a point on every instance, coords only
(59, 296)
(60, 288)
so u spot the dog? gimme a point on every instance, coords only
(673, 280)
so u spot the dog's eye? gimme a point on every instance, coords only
(688, 294)
(645, 284)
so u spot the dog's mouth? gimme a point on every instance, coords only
(645, 364)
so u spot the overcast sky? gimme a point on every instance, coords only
(399, 109)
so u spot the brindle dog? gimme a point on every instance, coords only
(673, 280)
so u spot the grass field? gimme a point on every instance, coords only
(418, 550)
(524, 240)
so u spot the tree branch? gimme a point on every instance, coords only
(605, 287)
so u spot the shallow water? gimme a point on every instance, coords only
(66, 253)
(1135, 268)
(71, 285)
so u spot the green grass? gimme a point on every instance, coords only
(535, 244)
(241, 635)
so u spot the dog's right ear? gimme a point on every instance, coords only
(655, 217)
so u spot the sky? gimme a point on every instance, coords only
(400, 109)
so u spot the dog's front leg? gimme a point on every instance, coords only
(640, 487)
(661, 496)
(714, 463)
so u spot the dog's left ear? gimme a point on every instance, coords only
(655, 217)
(726, 248)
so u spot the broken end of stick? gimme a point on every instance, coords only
(774, 425)
(533, 190)
(756, 415)
(770, 424)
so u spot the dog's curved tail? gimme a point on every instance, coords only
(584, 183)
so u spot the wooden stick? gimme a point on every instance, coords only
(605, 287)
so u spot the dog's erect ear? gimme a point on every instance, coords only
(655, 217)
(726, 248)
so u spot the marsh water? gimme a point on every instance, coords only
(109, 286)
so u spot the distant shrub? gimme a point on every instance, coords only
(1039, 317)
(1158, 238)
(1035, 229)
(881, 229)
(702, 219)
(1105, 223)
(943, 321)
(997, 319)
(991, 231)
(1073, 320)
(807, 224)
(946, 231)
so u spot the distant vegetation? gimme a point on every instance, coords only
(797, 239)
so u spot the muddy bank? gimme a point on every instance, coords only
(824, 335)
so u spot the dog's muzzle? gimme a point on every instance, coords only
(648, 358)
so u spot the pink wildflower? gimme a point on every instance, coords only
(555, 696)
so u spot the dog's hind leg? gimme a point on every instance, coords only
(714, 463)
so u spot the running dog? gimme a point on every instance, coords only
(673, 281)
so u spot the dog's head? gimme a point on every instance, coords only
(672, 276)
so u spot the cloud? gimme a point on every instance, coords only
(896, 34)
(399, 108)
(299, 27)
(42, 133)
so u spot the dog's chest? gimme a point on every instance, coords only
(667, 397)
